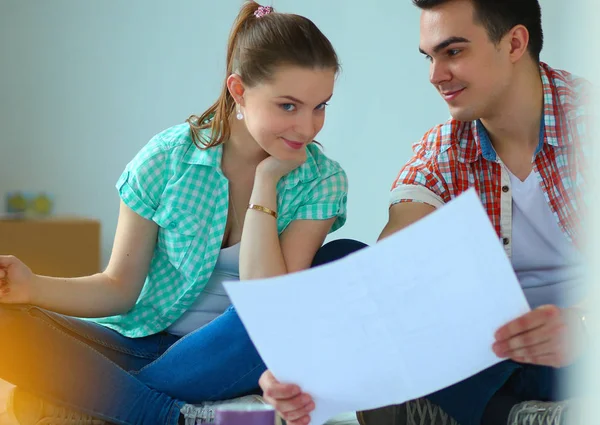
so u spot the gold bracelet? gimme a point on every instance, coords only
(262, 209)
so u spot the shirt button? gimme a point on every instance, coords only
(505, 241)
(505, 189)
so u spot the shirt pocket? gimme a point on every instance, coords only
(178, 229)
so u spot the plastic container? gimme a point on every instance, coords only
(245, 414)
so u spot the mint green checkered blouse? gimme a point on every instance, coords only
(183, 190)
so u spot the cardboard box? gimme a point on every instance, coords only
(57, 246)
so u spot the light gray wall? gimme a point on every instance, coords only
(85, 84)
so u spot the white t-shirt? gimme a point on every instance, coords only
(546, 263)
(213, 301)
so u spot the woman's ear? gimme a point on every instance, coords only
(236, 88)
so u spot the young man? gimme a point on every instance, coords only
(518, 134)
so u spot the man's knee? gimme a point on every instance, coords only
(336, 250)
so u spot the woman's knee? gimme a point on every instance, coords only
(17, 320)
(16, 326)
(12, 315)
(336, 250)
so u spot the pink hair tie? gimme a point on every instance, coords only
(263, 11)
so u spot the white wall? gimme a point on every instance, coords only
(84, 84)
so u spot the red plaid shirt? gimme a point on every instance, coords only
(454, 156)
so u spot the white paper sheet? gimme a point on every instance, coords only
(404, 318)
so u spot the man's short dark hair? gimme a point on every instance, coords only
(500, 16)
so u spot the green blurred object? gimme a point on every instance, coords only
(29, 204)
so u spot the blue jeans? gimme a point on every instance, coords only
(132, 381)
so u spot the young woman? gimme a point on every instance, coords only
(241, 191)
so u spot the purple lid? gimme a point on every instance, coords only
(245, 414)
